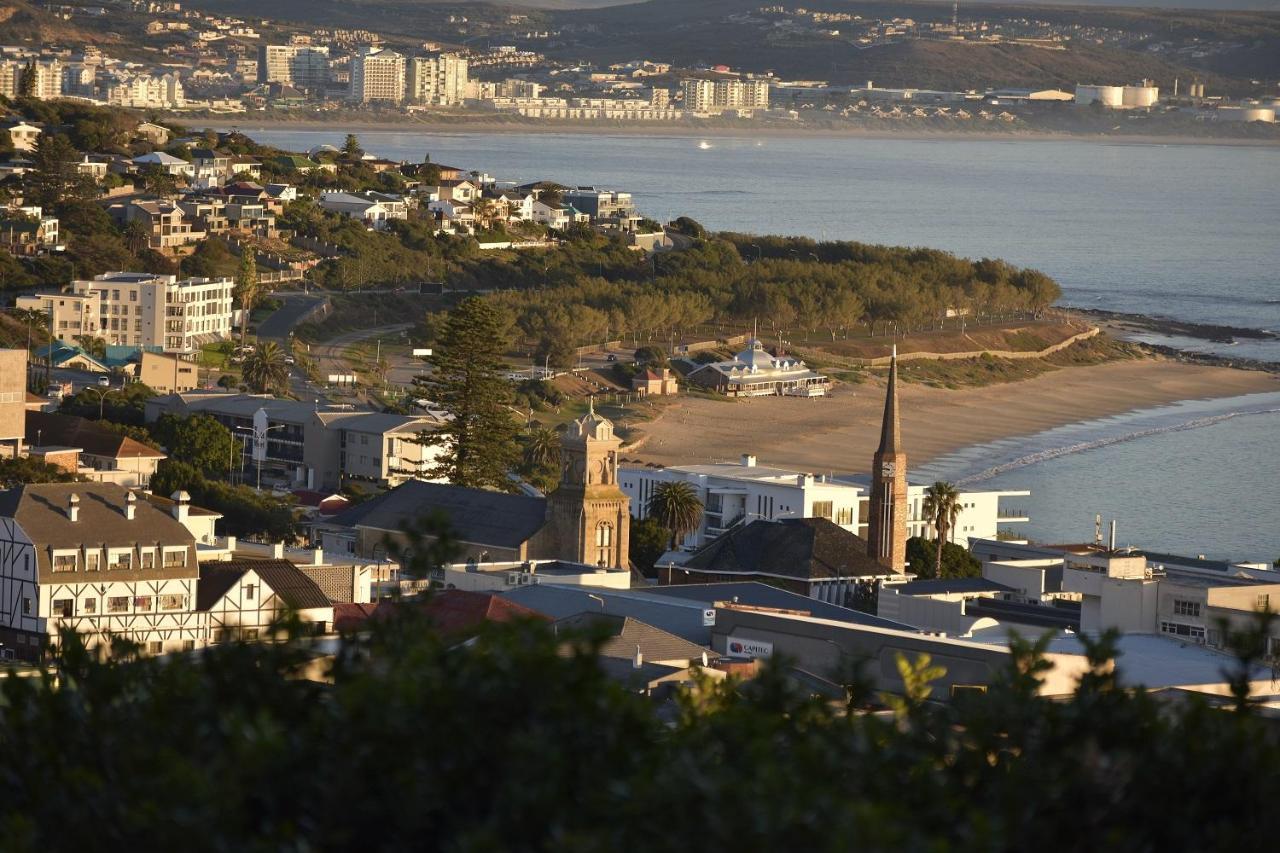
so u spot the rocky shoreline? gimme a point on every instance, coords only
(1181, 328)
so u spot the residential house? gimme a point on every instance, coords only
(26, 231)
(167, 163)
(14, 402)
(156, 134)
(655, 383)
(103, 455)
(93, 558)
(167, 374)
(374, 209)
(243, 599)
(557, 215)
(166, 225)
(23, 135)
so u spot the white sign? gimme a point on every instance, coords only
(709, 617)
(738, 647)
(342, 379)
(421, 352)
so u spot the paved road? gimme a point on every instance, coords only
(281, 323)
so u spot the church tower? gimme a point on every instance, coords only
(591, 515)
(887, 518)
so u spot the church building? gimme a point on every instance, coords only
(586, 519)
(887, 519)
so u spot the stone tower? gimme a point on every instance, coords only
(591, 515)
(887, 517)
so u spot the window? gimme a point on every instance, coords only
(119, 561)
(155, 647)
(249, 591)
(173, 602)
(64, 607)
(175, 559)
(251, 633)
(1262, 604)
(26, 607)
(822, 509)
(118, 604)
(149, 558)
(64, 562)
(1194, 632)
(142, 602)
(604, 535)
(188, 645)
(89, 605)
(845, 515)
(92, 560)
(1182, 607)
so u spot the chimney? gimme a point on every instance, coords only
(73, 507)
(748, 460)
(638, 660)
(130, 506)
(181, 505)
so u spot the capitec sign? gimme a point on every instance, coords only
(740, 648)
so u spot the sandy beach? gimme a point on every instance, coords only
(839, 433)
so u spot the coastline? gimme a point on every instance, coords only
(674, 131)
(802, 434)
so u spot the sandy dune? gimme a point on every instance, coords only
(840, 433)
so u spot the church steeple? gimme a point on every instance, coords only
(887, 517)
(589, 511)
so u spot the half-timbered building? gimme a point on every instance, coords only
(94, 558)
(243, 599)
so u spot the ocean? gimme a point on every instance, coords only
(1184, 231)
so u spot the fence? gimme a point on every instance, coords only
(883, 361)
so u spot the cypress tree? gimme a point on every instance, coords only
(478, 444)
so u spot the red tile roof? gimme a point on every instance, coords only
(456, 611)
(348, 616)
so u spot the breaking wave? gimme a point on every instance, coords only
(1082, 446)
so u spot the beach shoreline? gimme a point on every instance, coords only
(839, 434)
(462, 128)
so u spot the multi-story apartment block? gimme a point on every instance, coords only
(141, 309)
(94, 558)
(377, 74)
(603, 206)
(302, 65)
(305, 447)
(48, 78)
(145, 91)
(718, 96)
(745, 491)
(440, 80)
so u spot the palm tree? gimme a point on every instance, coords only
(542, 447)
(246, 290)
(264, 369)
(485, 210)
(35, 319)
(676, 507)
(941, 508)
(136, 236)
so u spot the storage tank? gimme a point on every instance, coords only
(1140, 97)
(1266, 114)
(1108, 96)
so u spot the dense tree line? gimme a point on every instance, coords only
(519, 741)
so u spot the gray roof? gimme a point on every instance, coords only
(801, 548)
(476, 516)
(948, 586)
(676, 616)
(41, 512)
(624, 634)
(756, 594)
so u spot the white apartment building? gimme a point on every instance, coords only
(711, 97)
(146, 91)
(141, 309)
(744, 491)
(48, 83)
(377, 74)
(439, 80)
(94, 558)
(302, 65)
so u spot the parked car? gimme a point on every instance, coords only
(611, 357)
(104, 381)
(288, 359)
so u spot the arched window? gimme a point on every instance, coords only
(604, 535)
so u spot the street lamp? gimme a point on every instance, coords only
(259, 437)
(102, 396)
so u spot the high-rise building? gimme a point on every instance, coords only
(717, 96)
(377, 74)
(440, 80)
(302, 65)
(887, 517)
(48, 78)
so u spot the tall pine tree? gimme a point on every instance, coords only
(478, 444)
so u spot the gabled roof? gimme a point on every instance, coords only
(476, 516)
(284, 578)
(625, 633)
(456, 611)
(159, 158)
(800, 548)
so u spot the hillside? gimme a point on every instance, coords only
(22, 23)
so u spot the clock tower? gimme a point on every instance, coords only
(887, 517)
(590, 512)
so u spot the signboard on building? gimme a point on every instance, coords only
(739, 647)
(342, 379)
(421, 352)
(709, 617)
